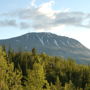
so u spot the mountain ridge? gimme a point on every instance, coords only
(51, 44)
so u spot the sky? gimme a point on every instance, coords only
(69, 18)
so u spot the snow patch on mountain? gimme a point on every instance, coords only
(41, 40)
(56, 43)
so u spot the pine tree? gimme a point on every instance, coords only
(58, 84)
(36, 78)
(69, 86)
(34, 51)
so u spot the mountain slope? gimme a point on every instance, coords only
(51, 44)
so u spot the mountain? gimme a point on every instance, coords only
(51, 44)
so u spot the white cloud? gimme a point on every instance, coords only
(46, 9)
(44, 17)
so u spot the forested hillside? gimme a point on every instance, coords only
(33, 71)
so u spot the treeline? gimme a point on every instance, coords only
(33, 71)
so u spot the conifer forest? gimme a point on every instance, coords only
(38, 71)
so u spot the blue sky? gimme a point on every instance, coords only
(64, 17)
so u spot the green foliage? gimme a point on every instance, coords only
(58, 84)
(69, 86)
(33, 71)
(9, 78)
(36, 78)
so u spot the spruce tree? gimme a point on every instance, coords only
(36, 78)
